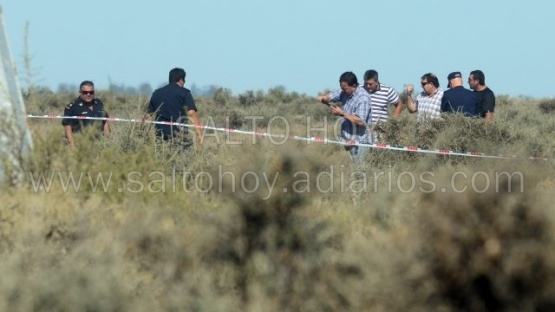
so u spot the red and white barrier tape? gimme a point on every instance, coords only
(324, 140)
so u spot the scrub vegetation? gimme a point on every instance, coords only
(249, 223)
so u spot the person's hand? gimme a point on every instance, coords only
(337, 111)
(409, 88)
(323, 99)
(199, 136)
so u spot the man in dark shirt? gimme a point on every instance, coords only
(486, 97)
(174, 103)
(86, 105)
(458, 99)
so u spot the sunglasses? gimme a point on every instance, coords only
(87, 92)
(424, 83)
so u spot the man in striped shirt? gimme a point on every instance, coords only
(381, 95)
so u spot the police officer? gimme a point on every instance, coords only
(86, 105)
(174, 103)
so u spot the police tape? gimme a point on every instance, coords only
(316, 139)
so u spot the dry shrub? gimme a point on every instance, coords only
(247, 98)
(222, 97)
(485, 252)
(455, 132)
(460, 133)
(280, 259)
(547, 106)
(43, 101)
(390, 131)
(54, 262)
(285, 251)
(39, 281)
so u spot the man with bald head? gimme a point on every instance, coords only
(458, 99)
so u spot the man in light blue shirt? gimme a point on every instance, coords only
(356, 111)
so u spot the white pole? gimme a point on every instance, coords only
(15, 138)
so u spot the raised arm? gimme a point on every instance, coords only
(411, 105)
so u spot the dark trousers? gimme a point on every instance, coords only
(178, 136)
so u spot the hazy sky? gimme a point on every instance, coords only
(303, 45)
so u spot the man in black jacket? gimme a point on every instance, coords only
(86, 105)
(458, 99)
(174, 104)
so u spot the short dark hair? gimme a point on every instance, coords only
(479, 75)
(86, 83)
(177, 74)
(431, 78)
(371, 74)
(350, 78)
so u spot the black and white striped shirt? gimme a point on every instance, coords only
(380, 98)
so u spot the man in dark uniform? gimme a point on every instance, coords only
(86, 105)
(174, 103)
(458, 99)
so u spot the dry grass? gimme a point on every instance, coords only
(341, 238)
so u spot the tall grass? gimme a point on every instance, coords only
(201, 230)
